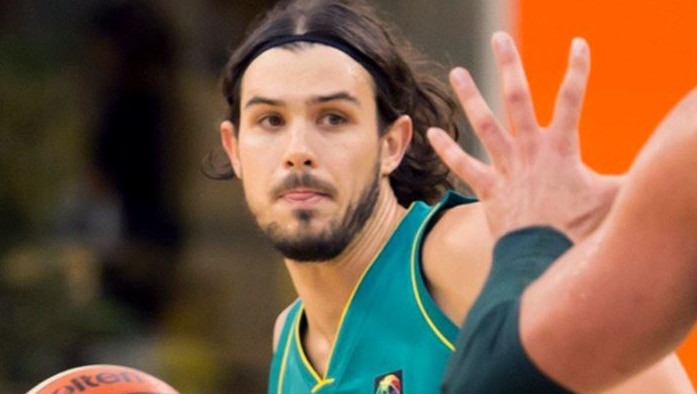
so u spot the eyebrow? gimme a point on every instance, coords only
(256, 100)
(339, 96)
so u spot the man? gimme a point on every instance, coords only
(618, 301)
(326, 130)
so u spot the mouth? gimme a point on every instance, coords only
(303, 191)
(303, 196)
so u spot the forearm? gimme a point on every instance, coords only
(621, 299)
(578, 349)
(489, 357)
(625, 298)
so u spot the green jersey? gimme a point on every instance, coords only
(392, 337)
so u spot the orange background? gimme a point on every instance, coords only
(643, 60)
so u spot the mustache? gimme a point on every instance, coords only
(304, 180)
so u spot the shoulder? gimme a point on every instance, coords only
(279, 324)
(456, 256)
(458, 229)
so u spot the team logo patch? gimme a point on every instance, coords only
(389, 383)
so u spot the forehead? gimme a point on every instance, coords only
(308, 70)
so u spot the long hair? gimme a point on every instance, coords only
(409, 86)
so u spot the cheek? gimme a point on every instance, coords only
(256, 156)
(357, 169)
(256, 168)
(256, 196)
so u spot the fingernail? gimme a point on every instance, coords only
(501, 41)
(578, 47)
(434, 134)
(460, 77)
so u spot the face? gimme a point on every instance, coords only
(307, 149)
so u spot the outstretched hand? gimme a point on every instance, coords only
(536, 175)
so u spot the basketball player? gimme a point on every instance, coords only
(617, 302)
(328, 112)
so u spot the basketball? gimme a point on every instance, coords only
(103, 379)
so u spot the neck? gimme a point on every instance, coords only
(325, 287)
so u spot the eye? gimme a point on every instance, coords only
(333, 119)
(271, 121)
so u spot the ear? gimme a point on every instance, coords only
(229, 141)
(395, 143)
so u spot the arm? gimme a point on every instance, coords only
(278, 326)
(456, 258)
(453, 240)
(594, 300)
(632, 287)
(665, 377)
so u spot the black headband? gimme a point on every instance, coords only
(335, 42)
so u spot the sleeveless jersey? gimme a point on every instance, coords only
(392, 338)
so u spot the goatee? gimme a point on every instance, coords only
(331, 242)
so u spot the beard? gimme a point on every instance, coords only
(330, 242)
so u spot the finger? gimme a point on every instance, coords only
(472, 171)
(569, 102)
(494, 138)
(516, 92)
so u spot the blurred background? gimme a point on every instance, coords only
(114, 248)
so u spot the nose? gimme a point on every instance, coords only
(299, 154)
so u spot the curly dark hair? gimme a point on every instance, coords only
(409, 86)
